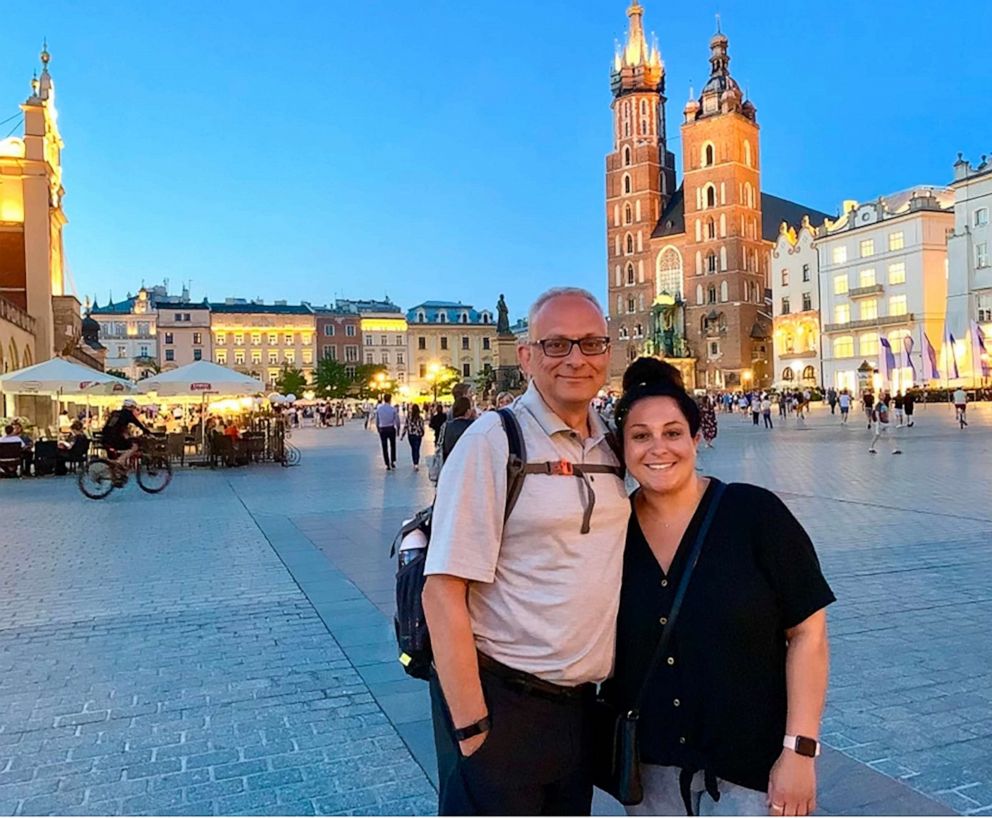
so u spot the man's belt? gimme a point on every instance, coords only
(529, 683)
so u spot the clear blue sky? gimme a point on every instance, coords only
(448, 149)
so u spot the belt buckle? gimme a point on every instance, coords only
(565, 468)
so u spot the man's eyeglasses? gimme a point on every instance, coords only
(561, 347)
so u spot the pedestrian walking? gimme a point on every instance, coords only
(414, 430)
(908, 405)
(522, 610)
(766, 411)
(387, 422)
(742, 404)
(755, 404)
(868, 401)
(438, 417)
(709, 423)
(880, 417)
(832, 400)
(960, 406)
(844, 402)
(732, 710)
(898, 403)
(783, 401)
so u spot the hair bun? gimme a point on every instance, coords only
(651, 371)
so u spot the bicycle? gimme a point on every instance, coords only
(151, 468)
(284, 452)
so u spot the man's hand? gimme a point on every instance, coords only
(470, 745)
(792, 785)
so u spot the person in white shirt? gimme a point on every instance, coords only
(387, 422)
(960, 406)
(844, 400)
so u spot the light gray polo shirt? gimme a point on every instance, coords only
(543, 597)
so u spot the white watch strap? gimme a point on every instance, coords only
(789, 742)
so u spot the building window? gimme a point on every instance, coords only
(170, 355)
(631, 305)
(442, 317)
(239, 357)
(630, 274)
(168, 338)
(288, 338)
(807, 302)
(273, 338)
(179, 316)
(330, 352)
(466, 370)
(485, 344)
(626, 156)
(385, 357)
(197, 354)
(839, 255)
(421, 342)
(221, 338)
(982, 254)
(840, 285)
(351, 354)
(868, 310)
(350, 330)
(444, 342)
(256, 338)
(711, 196)
(143, 351)
(630, 244)
(626, 184)
(307, 338)
(711, 294)
(465, 342)
(724, 291)
(805, 272)
(868, 344)
(981, 216)
(699, 293)
(197, 337)
(844, 346)
(897, 305)
(866, 278)
(398, 341)
(866, 248)
(308, 356)
(399, 358)
(368, 340)
(369, 358)
(897, 273)
(842, 314)
(273, 356)
(788, 374)
(785, 278)
(239, 339)
(711, 262)
(896, 241)
(256, 356)
(328, 330)
(785, 306)
(221, 357)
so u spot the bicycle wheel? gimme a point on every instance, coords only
(153, 473)
(96, 478)
(293, 455)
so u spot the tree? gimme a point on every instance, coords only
(117, 373)
(366, 374)
(332, 379)
(147, 365)
(447, 379)
(291, 381)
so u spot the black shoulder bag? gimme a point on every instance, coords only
(618, 762)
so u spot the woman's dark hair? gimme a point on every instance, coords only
(653, 378)
(414, 412)
(461, 407)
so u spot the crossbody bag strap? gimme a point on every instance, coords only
(666, 634)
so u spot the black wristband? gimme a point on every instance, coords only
(462, 733)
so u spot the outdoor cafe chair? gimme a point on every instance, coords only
(10, 459)
(45, 456)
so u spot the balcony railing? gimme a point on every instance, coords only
(9, 311)
(872, 323)
(862, 292)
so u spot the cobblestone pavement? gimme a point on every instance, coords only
(225, 647)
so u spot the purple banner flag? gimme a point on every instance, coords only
(887, 361)
(980, 355)
(930, 370)
(907, 357)
(952, 362)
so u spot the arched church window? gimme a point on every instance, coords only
(747, 153)
(809, 374)
(626, 184)
(711, 294)
(630, 274)
(788, 374)
(626, 156)
(711, 262)
(711, 196)
(668, 275)
(628, 214)
(630, 243)
(708, 155)
(699, 293)
(710, 228)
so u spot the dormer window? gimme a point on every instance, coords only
(421, 317)
(486, 318)
(464, 318)
(442, 317)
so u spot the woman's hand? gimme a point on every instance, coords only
(792, 785)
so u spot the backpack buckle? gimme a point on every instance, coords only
(564, 468)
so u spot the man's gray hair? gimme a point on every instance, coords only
(557, 292)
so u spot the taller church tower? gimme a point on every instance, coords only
(640, 180)
(726, 320)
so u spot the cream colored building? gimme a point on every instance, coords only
(262, 338)
(184, 334)
(969, 273)
(450, 334)
(883, 274)
(128, 329)
(795, 308)
(384, 343)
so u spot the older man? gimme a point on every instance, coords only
(522, 611)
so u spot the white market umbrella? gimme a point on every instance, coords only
(201, 378)
(60, 377)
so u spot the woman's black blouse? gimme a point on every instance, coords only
(717, 701)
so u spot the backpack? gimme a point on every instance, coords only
(882, 412)
(412, 636)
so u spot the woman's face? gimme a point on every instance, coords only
(659, 450)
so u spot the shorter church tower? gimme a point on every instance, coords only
(725, 259)
(640, 180)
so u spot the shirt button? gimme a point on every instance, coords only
(664, 583)
(664, 620)
(671, 660)
(681, 739)
(676, 702)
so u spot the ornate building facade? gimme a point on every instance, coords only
(449, 334)
(688, 264)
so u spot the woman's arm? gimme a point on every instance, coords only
(792, 782)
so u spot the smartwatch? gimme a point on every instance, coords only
(462, 733)
(803, 745)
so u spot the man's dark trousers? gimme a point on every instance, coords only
(536, 759)
(387, 434)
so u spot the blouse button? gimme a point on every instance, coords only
(676, 702)
(663, 620)
(681, 739)
(664, 583)
(671, 660)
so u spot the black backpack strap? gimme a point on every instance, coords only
(516, 463)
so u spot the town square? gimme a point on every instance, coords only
(363, 431)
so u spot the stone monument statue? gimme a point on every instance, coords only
(503, 317)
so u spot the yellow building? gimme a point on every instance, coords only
(448, 334)
(384, 343)
(262, 338)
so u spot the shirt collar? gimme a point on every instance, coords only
(533, 401)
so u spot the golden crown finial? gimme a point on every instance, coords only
(45, 56)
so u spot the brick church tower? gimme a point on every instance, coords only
(725, 257)
(640, 181)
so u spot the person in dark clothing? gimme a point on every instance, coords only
(116, 435)
(732, 711)
(908, 405)
(462, 416)
(438, 417)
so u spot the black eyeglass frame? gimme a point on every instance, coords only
(573, 342)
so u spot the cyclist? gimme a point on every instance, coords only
(120, 446)
(960, 406)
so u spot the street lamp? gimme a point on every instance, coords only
(746, 376)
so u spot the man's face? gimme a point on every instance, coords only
(576, 378)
